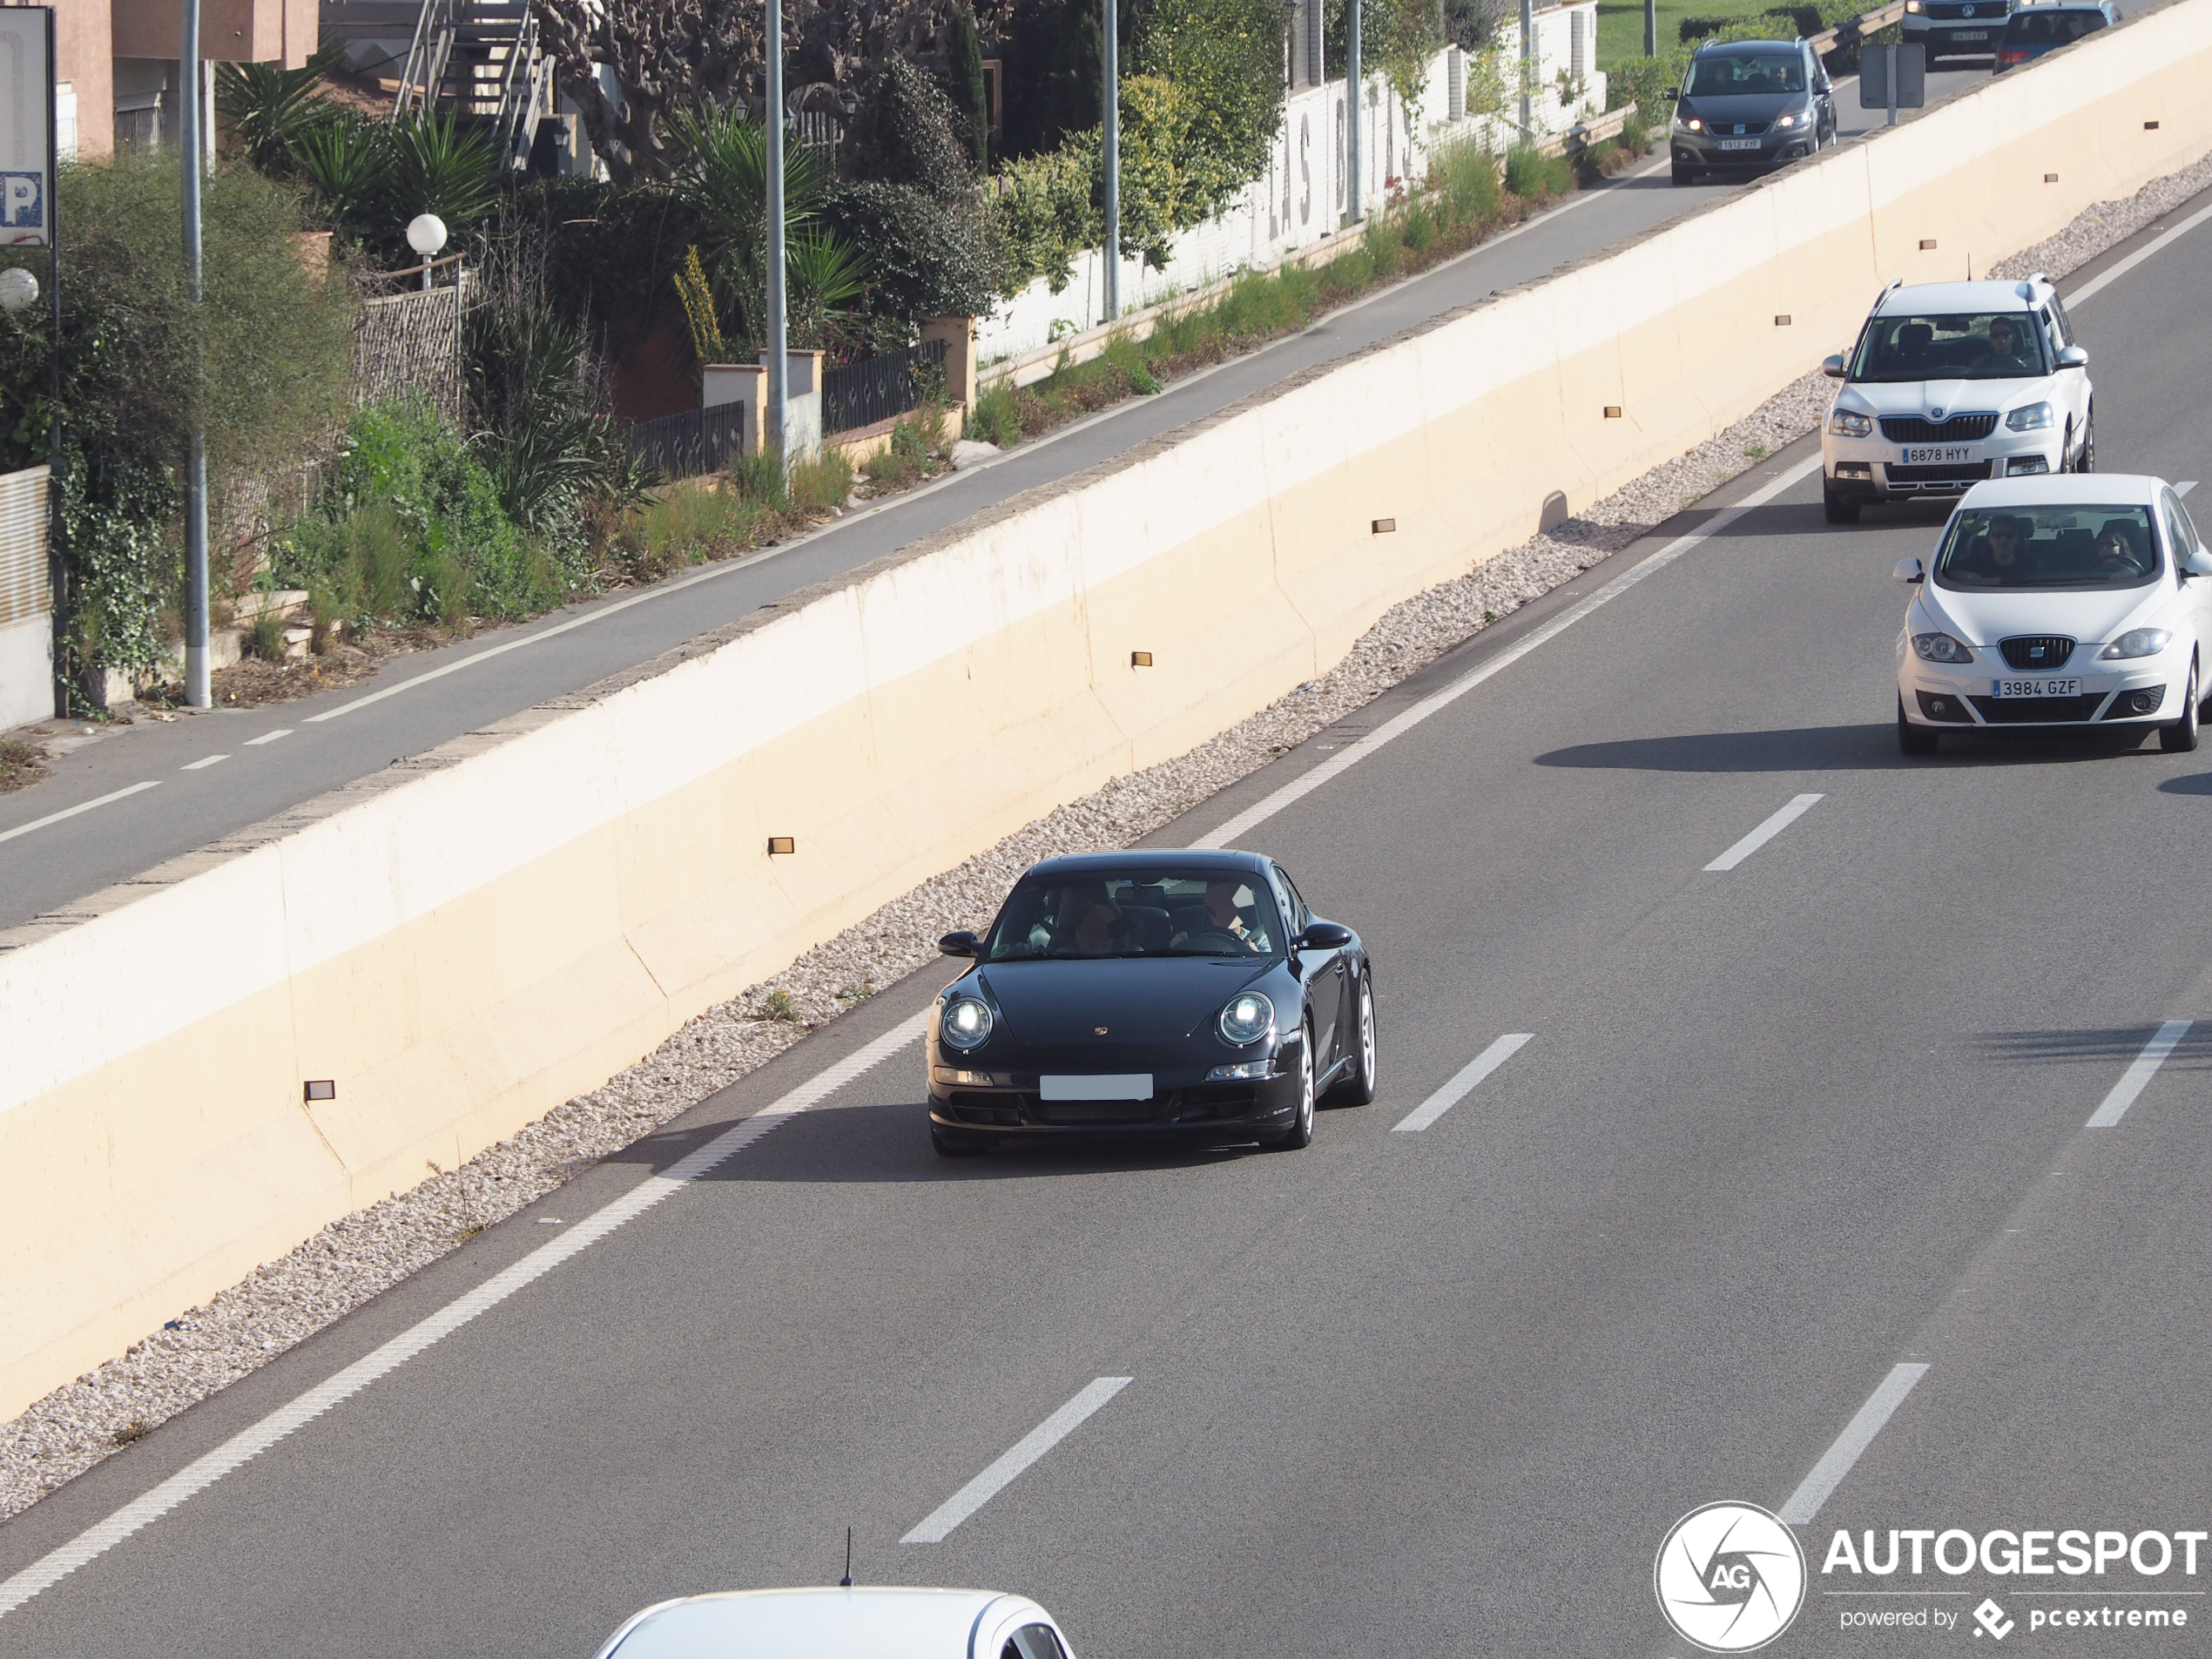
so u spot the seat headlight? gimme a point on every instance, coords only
(1847, 423)
(1690, 122)
(2034, 417)
(1782, 123)
(1941, 648)
(2139, 642)
(1247, 1017)
(966, 1024)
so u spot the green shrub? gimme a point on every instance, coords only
(1534, 176)
(1463, 176)
(758, 478)
(996, 418)
(1419, 232)
(264, 638)
(1386, 253)
(684, 524)
(821, 483)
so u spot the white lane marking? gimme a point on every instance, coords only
(203, 763)
(2185, 486)
(2096, 283)
(251, 1442)
(269, 737)
(2133, 1080)
(72, 812)
(1024, 1451)
(1345, 759)
(1464, 1081)
(1828, 1474)
(1798, 807)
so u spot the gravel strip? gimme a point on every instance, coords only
(352, 1260)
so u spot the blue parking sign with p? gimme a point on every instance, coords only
(22, 201)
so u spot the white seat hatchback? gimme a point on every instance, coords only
(883, 1622)
(1952, 383)
(2057, 602)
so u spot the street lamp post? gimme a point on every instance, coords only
(1353, 195)
(778, 330)
(426, 234)
(199, 685)
(1113, 98)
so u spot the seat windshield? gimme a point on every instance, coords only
(2044, 26)
(1139, 913)
(2048, 547)
(1745, 74)
(1974, 345)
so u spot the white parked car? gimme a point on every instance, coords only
(1952, 383)
(844, 1623)
(2057, 602)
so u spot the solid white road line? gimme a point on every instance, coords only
(249, 1443)
(1798, 807)
(2132, 1081)
(1463, 1083)
(1828, 1474)
(269, 737)
(1345, 759)
(203, 763)
(1025, 1451)
(72, 812)
(2096, 283)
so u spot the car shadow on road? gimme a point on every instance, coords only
(2197, 783)
(1835, 748)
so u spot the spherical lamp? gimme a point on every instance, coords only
(426, 234)
(19, 289)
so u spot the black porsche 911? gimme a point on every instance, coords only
(1185, 993)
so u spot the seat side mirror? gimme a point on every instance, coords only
(2074, 357)
(961, 943)
(1909, 571)
(2197, 564)
(1831, 366)
(1325, 935)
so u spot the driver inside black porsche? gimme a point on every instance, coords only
(1139, 914)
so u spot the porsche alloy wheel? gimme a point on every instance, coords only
(1300, 1133)
(1358, 1087)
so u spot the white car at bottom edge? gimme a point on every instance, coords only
(2074, 603)
(875, 1623)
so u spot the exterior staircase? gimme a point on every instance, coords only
(475, 60)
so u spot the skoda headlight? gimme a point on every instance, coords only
(2139, 642)
(1941, 648)
(966, 1023)
(1847, 423)
(1247, 1017)
(2033, 418)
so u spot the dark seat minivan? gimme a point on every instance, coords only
(2033, 31)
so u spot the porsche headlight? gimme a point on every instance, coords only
(1941, 648)
(1247, 1018)
(2033, 418)
(1847, 423)
(966, 1024)
(2139, 642)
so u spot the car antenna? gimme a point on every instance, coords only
(845, 1583)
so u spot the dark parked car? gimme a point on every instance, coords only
(1751, 104)
(2034, 30)
(1187, 993)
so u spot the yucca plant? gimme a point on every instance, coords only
(345, 161)
(269, 107)
(438, 167)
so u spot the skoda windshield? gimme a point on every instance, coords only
(2043, 548)
(1140, 913)
(1971, 346)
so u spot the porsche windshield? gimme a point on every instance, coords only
(2048, 547)
(1139, 913)
(1741, 74)
(1970, 346)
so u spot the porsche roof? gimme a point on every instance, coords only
(1150, 858)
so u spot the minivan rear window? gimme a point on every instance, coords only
(2048, 26)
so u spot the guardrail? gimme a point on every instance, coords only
(1857, 28)
(1579, 137)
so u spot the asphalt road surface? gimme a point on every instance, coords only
(195, 781)
(1778, 1129)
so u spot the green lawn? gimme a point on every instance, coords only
(1620, 23)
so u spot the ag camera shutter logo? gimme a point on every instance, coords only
(1730, 1577)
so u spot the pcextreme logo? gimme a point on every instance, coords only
(1730, 1577)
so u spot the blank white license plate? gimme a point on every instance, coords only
(1969, 34)
(1124, 1085)
(1739, 144)
(2037, 688)
(1947, 452)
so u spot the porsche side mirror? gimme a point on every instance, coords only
(1325, 935)
(2074, 357)
(2197, 564)
(1910, 570)
(963, 943)
(1832, 366)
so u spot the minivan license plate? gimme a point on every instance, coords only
(2037, 688)
(1947, 452)
(1739, 144)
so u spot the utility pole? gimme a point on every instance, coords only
(1651, 28)
(1113, 267)
(199, 688)
(1527, 73)
(1355, 209)
(778, 330)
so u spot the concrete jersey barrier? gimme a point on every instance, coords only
(463, 945)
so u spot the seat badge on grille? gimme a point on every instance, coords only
(1098, 1031)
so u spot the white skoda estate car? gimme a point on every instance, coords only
(842, 1623)
(1950, 383)
(2057, 602)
